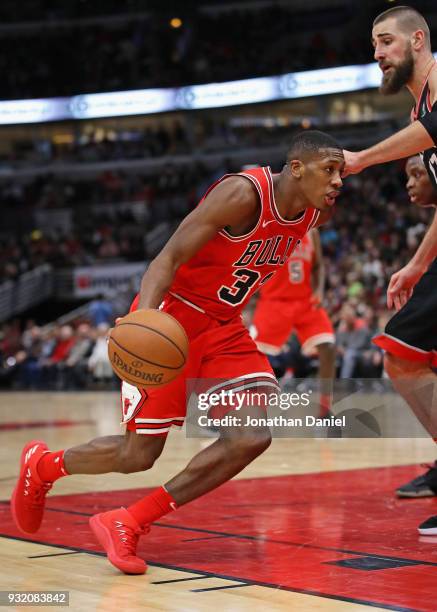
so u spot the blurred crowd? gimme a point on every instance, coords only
(97, 233)
(198, 136)
(143, 50)
(58, 357)
(98, 146)
(373, 233)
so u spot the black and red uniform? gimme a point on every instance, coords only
(412, 332)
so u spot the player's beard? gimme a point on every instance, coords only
(399, 76)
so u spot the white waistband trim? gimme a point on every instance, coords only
(177, 296)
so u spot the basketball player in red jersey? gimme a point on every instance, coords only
(243, 230)
(401, 39)
(296, 294)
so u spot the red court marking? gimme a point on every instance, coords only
(32, 424)
(284, 532)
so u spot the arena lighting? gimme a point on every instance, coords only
(121, 103)
(195, 97)
(175, 22)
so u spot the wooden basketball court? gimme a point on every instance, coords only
(311, 525)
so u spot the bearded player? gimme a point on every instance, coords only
(402, 44)
(292, 301)
(240, 234)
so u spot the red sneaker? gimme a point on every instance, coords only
(28, 498)
(118, 533)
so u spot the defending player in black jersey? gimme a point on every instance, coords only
(422, 194)
(401, 40)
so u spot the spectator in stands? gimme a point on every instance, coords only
(100, 311)
(73, 371)
(352, 339)
(37, 346)
(54, 362)
(98, 362)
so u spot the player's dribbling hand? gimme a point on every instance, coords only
(402, 284)
(353, 163)
(116, 322)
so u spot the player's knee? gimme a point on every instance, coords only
(261, 442)
(130, 463)
(139, 453)
(327, 350)
(251, 444)
(396, 367)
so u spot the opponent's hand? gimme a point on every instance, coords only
(353, 163)
(402, 284)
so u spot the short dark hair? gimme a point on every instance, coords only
(310, 143)
(408, 20)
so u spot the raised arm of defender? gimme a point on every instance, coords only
(229, 204)
(420, 135)
(409, 141)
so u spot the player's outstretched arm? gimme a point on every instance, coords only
(409, 141)
(403, 282)
(228, 204)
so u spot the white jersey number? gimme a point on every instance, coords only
(295, 271)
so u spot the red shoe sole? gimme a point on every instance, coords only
(103, 536)
(15, 491)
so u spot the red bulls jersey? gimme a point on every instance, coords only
(227, 270)
(293, 281)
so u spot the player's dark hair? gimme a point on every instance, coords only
(408, 20)
(310, 143)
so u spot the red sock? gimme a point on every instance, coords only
(152, 507)
(325, 404)
(51, 466)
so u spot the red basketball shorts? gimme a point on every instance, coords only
(275, 320)
(217, 351)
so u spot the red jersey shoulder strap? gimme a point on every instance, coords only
(256, 176)
(302, 223)
(262, 179)
(259, 180)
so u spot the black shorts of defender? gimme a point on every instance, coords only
(411, 333)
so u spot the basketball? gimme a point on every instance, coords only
(148, 348)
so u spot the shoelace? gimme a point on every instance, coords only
(128, 536)
(37, 493)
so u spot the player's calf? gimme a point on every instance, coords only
(118, 530)
(40, 468)
(123, 454)
(237, 446)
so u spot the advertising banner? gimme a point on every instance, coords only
(90, 281)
